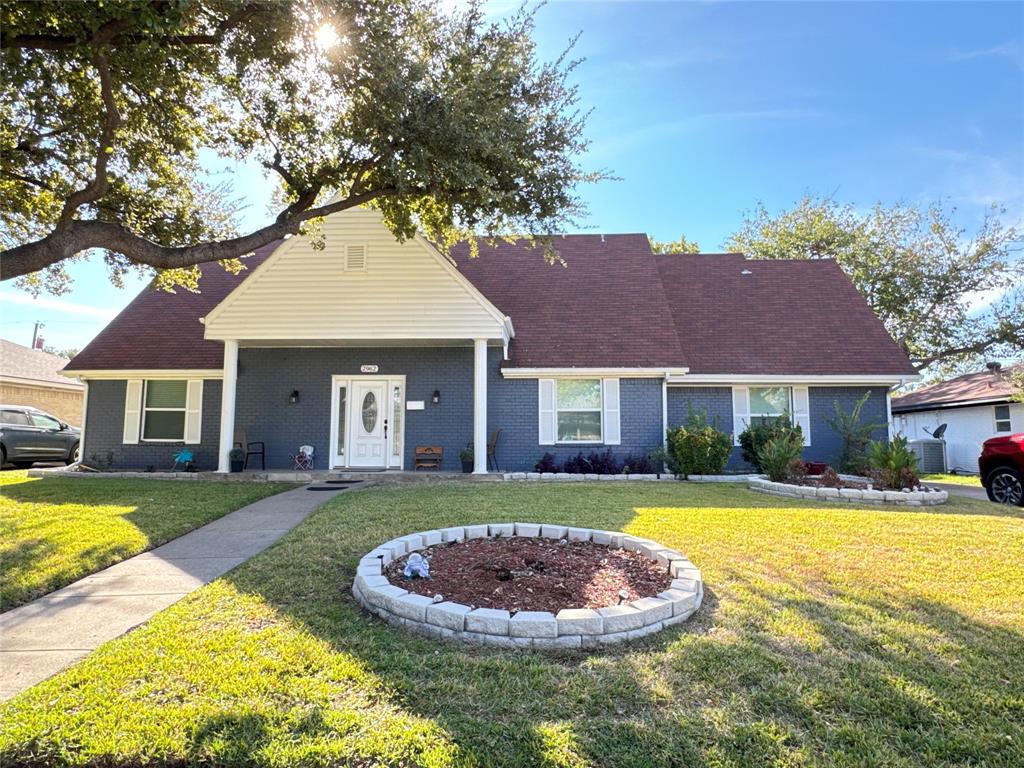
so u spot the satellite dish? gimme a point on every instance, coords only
(939, 431)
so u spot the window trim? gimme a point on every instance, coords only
(145, 409)
(996, 420)
(599, 410)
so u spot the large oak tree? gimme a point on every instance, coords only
(947, 297)
(447, 122)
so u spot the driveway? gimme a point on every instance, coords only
(968, 491)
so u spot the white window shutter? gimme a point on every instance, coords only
(802, 412)
(740, 412)
(132, 411)
(611, 429)
(546, 411)
(194, 411)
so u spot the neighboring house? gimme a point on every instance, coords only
(372, 346)
(974, 408)
(32, 377)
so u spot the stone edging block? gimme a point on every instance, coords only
(927, 498)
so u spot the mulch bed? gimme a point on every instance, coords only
(532, 574)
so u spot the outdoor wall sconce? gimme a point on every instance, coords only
(436, 397)
(294, 396)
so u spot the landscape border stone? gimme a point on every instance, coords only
(925, 497)
(571, 628)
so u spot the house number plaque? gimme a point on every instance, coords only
(369, 368)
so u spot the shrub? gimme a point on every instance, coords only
(777, 455)
(698, 447)
(754, 438)
(893, 465)
(638, 465)
(830, 478)
(796, 473)
(855, 436)
(547, 463)
(603, 463)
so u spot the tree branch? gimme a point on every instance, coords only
(80, 235)
(96, 188)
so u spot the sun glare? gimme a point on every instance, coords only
(326, 36)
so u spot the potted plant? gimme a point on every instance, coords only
(237, 458)
(466, 457)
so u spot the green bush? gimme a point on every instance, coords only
(893, 465)
(756, 436)
(856, 437)
(778, 454)
(697, 447)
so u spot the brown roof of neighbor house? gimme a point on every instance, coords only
(32, 365)
(161, 330)
(612, 303)
(973, 387)
(780, 317)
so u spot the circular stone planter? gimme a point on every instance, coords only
(569, 628)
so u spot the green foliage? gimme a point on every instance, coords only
(682, 245)
(236, 454)
(446, 121)
(1017, 381)
(893, 464)
(756, 436)
(855, 436)
(918, 270)
(776, 456)
(697, 447)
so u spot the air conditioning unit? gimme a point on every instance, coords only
(931, 455)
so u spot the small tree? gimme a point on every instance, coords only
(893, 465)
(777, 456)
(756, 436)
(697, 447)
(856, 436)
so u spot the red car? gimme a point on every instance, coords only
(1002, 469)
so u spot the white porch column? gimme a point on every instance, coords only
(227, 405)
(479, 406)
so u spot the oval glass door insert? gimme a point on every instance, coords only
(369, 412)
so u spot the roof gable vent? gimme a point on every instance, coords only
(355, 258)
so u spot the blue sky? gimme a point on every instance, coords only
(704, 109)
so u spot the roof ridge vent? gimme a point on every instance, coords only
(602, 237)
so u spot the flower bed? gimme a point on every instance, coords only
(851, 490)
(570, 615)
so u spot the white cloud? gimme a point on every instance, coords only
(56, 305)
(1010, 50)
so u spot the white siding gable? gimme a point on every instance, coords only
(363, 285)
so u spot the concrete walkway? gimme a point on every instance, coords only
(47, 635)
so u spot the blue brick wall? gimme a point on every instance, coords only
(825, 443)
(105, 430)
(512, 407)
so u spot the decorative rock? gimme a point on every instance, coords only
(619, 618)
(579, 621)
(497, 530)
(448, 615)
(488, 621)
(553, 531)
(528, 529)
(579, 534)
(533, 624)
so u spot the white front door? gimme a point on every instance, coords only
(368, 446)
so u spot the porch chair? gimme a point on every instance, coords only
(492, 456)
(254, 448)
(428, 457)
(303, 460)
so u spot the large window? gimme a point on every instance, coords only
(768, 403)
(1002, 415)
(578, 405)
(164, 406)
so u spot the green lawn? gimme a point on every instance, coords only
(829, 636)
(56, 530)
(972, 480)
